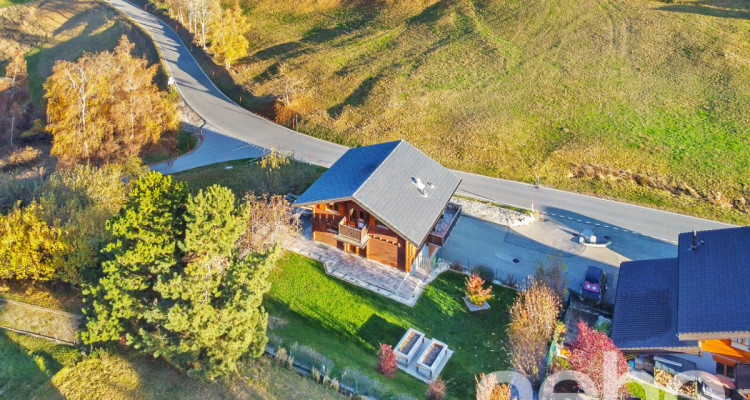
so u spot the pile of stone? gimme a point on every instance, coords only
(493, 213)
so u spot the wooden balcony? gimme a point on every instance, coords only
(352, 235)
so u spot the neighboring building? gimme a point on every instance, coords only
(696, 304)
(382, 202)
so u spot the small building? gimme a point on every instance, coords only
(381, 202)
(694, 306)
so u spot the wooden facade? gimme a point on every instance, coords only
(350, 228)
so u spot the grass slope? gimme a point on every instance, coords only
(33, 368)
(247, 175)
(347, 324)
(639, 100)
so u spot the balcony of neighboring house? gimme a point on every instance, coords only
(353, 232)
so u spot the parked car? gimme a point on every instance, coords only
(594, 286)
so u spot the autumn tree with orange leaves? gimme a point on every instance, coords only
(533, 317)
(105, 107)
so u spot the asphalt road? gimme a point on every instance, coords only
(227, 118)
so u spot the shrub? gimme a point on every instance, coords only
(387, 361)
(603, 325)
(510, 281)
(315, 374)
(310, 357)
(334, 384)
(290, 362)
(485, 272)
(363, 384)
(28, 245)
(436, 390)
(552, 274)
(475, 290)
(24, 157)
(281, 356)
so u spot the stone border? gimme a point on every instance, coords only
(473, 307)
(493, 213)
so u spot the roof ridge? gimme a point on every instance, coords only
(400, 142)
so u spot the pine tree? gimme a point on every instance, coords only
(144, 251)
(200, 307)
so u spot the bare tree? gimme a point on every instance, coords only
(269, 221)
(17, 92)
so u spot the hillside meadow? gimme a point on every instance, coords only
(639, 100)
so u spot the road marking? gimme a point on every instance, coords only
(615, 228)
(598, 224)
(588, 222)
(578, 220)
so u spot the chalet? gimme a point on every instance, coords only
(381, 202)
(690, 311)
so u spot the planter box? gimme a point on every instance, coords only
(431, 358)
(407, 347)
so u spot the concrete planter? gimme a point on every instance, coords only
(431, 358)
(473, 307)
(407, 348)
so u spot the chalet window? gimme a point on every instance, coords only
(332, 208)
(332, 227)
(725, 370)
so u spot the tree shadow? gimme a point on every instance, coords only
(430, 14)
(355, 98)
(23, 372)
(377, 330)
(709, 8)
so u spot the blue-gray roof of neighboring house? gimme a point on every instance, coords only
(742, 377)
(713, 280)
(645, 315)
(381, 179)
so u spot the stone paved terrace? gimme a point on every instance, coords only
(379, 278)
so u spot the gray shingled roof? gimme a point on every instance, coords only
(645, 316)
(380, 179)
(713, 282)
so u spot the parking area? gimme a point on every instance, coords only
(516, 251)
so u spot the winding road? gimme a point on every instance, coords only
(233, 132)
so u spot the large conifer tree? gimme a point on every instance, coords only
(176, 286)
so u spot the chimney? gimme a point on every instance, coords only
(695, 245)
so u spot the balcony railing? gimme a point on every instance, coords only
(350, 234)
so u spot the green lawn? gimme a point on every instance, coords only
(247, 175)
(26, 363)
(346, 323)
